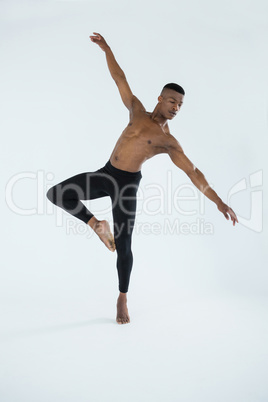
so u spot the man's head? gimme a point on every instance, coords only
(171, 100)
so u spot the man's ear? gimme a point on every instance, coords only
(160, 98)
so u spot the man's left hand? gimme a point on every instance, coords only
(227, 210)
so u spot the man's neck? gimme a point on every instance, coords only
(158, 118)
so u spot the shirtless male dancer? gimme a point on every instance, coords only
(146, 135)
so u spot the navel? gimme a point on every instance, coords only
(116, 158)
(149, 141)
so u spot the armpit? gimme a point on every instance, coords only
(172, 144)
(137, 105)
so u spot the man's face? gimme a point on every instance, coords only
(170, 103)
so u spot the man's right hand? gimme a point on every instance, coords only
(116, 71)
(97, 38)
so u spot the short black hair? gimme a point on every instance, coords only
(175, 87)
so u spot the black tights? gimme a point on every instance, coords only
(122, 187)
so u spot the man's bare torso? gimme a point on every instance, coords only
(142, 139)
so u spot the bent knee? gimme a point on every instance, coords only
(51, 194)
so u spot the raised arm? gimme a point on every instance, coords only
(117, 73)
(179, 158)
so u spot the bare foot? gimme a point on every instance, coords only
(122, 311)
(102, 228)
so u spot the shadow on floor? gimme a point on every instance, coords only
(53, 328)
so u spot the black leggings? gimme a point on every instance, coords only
(122, 187)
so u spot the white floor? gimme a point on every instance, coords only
(198, 330)
(176, 348)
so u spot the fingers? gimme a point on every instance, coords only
(98, 36)
(95, 39)
(233, 216)
(232, 219)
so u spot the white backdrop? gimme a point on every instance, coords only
(197, 299)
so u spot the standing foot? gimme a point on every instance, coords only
(102, 229)
(122, 311)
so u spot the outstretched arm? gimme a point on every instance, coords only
(178, 157)
(116, 72)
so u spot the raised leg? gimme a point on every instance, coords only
(69, 193)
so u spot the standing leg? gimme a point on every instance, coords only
(124, 217)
